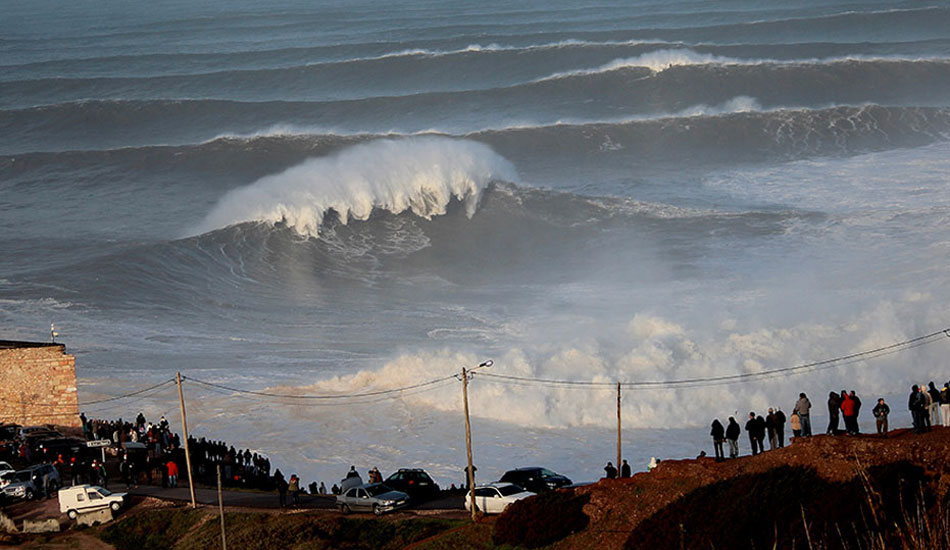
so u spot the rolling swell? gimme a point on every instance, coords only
(625, 88)
(744, 136)
(515, 236)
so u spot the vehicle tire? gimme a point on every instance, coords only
(376, 510)
(344, 509)
(115, 506)
(72, 514)
(29, 494)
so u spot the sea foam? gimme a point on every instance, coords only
(421, 175)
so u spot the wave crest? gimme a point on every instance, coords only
(420, 174)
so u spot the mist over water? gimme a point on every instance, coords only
(351, 199)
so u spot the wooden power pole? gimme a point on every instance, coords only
(619, 454)
(468, 444)
(224, 539)
(470, 471)
(184, 429)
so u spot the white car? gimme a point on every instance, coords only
(5, 467)
(495, 497)
(86, 498)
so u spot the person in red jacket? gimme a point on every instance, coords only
(847, 411)
(172, 473)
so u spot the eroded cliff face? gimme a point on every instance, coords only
(827, 492)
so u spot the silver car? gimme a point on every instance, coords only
(373, 497)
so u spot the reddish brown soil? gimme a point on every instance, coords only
(617, 507)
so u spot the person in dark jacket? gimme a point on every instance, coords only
(760, 432)
(625, 469)
(857, 411)
(733, 431)
(282, 487)
(780, 427)
(915, 403)
(609, 471)
(752, 426)
(880, 411)
(770, 429)
(718, 433)
(834, 410)
(935, 407)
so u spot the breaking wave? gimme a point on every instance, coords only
(421, 175)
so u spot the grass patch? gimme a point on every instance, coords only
(151, 530)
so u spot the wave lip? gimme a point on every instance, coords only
(419, 174)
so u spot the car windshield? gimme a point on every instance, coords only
(547, 473)
(376, 490)
(510, 490)
(22, 476)
(104, 492)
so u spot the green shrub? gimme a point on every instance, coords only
(542, 520)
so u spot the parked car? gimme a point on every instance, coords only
(24, 431)
(495, 497)
(5, 467)
(86, 498)
(414, 482)
(535, 479)
(49, 448)
(373, 497)
(42, 479)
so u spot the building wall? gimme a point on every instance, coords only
(38, 384)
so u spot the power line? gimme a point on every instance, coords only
(725, 379)
(324, 396)
(94, 402)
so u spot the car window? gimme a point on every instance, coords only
(80, 497)
(105, 492)
(484, 492)
(94, 496)
(351, 493)
(362, 494)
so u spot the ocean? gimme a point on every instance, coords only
(333, 201)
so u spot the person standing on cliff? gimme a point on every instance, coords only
(752, 426)
(935, 404)
(834, 410)
(916, 405)
(796, 424)
(847, 411)
(880, 411)
(780, 427)
(857, 411)
(718, 433)
(625, 469)
(733, 431)
(609, 471)
(770, 429)
(803, 408)
(945, 405)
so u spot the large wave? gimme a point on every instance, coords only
(421, 175)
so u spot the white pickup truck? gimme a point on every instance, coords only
(86, 498)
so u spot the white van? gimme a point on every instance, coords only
(86, 498)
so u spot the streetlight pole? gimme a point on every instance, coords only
(466, 373)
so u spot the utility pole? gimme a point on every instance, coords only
(224, 540)
(619, 454)
(468, 436)
(184, 429)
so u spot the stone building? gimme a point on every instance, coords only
(37, 384)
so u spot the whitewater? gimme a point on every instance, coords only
(320, 214)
